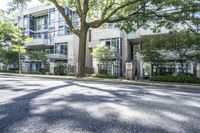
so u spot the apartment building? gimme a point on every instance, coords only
(50, 34)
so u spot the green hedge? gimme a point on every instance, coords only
(103, 76)
(7, 71)
(37, 72)
(179, 79)
(70, 74)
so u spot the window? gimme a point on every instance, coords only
(51, 33)
(61, 31)
(90, 36)
(67, 31)
(61, 48)
(113, 43)
(52, 16)
(107, 44)
(41, 23)
(26, 22)
(61, 20)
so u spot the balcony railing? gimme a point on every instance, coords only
(38, 41)
(56, 54)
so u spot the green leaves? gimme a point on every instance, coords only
(102, 52)
(37, 55)
(9, 33)
(180, 46)
(18, 49)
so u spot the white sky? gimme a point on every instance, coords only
(3, 3)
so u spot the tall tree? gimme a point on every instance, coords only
(95, 13)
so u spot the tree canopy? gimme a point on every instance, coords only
(37, 55)
(102, 53)
(182, 47)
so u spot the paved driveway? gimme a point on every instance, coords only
(31, 105)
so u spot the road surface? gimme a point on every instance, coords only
(34, 105)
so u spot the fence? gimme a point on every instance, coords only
(110, 70)
(64, 69)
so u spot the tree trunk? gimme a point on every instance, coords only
(82, 52)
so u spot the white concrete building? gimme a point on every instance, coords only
(50, 34)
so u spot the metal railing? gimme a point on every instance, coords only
(53, 51)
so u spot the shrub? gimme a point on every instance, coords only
(71, 74)
(103, 71)
(37, 72)
(59, 69)
(13, 69)
(103, 76)
(44, 70)
(179, 79)
(7, 71)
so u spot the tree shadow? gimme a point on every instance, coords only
(96, 109)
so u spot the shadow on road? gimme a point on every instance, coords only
(90, 107)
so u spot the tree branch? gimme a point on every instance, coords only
(97, 23)
(85, 7)
(79, 8)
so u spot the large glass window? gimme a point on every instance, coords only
(51, 33)
(25, 23)
(61, 48)
(61, 30)
(113, 43)
(52, 16)
(41, 23)
(61, 20)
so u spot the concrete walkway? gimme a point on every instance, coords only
(117, 81)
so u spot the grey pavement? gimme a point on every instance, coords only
(35, 105)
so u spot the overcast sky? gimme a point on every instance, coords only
(3, 4)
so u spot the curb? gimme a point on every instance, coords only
(113, 81)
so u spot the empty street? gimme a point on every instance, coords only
(35, 105)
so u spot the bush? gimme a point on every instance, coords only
(71, 74)
(13, 69)
(178, 79)
(37, 72)
(103, 71)
(7, 71)
(44, 70)
(103, 76)
(59, 69)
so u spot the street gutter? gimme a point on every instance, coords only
(111, 81)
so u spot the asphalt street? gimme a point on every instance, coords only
(35, 105)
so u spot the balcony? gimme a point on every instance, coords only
(56, 54)
(37, 42)
(133, 35)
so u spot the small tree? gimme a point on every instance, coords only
(12, 36)
(37, 56)
(9, 33)
(182, 47)
(103, 54)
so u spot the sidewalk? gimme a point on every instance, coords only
(112, 81)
